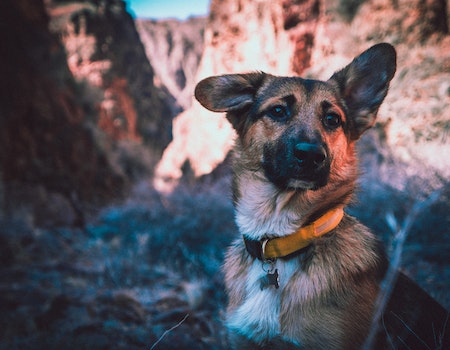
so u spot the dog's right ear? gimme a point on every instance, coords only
(229, 93)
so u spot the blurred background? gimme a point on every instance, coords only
(115, 208)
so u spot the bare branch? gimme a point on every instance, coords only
(388, 283)
(168, 331)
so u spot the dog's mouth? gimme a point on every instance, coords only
(305, 166)
(295, 184)
(312, 181)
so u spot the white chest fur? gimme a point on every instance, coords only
(258, 215)
(258, 316)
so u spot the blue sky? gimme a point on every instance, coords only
(180, 9)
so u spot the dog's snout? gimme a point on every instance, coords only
(309, 154)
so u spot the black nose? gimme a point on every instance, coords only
(309, 154)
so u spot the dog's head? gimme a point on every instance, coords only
(300, 132)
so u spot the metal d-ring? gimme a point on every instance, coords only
(263, 249)
(268, 264)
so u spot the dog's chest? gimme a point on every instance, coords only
(258, 317)
(257, 215)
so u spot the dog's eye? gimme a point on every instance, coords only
(332, 120)
(278, 112)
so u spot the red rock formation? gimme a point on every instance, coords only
(117, 115)
(43, 139)
(54, 98)
(300, 20)
(105, 52)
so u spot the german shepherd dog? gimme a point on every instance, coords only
(305, 275)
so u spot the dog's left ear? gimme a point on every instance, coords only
(364, 83)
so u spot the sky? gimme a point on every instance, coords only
(180, 9)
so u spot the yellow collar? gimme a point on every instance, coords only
(284, 246)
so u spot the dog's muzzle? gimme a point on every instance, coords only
(298, 165)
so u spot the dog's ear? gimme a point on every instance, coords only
(229, 93)
(364, 83)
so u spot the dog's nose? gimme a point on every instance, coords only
(309, 154)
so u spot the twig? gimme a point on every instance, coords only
(410, 330)
(390, 279)
(441, 335)
(168, 331)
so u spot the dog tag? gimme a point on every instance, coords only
(271, 279)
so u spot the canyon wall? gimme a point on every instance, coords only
(313, 38)
(174, 49)
(77, 104)
(105, 52)
(45, 144)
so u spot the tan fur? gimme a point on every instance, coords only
(326, 294)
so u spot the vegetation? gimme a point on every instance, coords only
(145, 273)
(136, 270)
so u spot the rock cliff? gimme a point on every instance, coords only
(174, 49)
(45, 142)
(76, 102)
(104, 51)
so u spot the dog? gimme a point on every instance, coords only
(304, 275)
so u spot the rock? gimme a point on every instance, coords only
(77, 104)
(174, 49)
(104, 51)
(45, 139)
